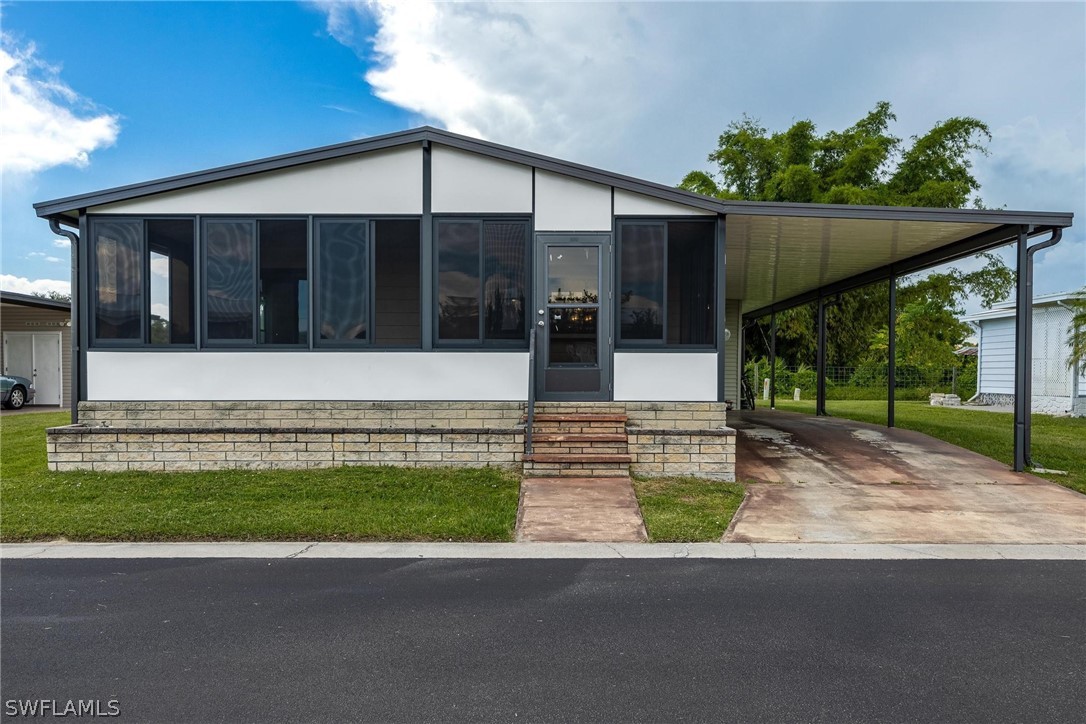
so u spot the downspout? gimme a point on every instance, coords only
(73, 237)
(1023, 392)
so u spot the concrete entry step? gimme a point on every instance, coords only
(570, 509)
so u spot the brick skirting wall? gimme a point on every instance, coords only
(76, 447)
(665, 438)
(701, 453)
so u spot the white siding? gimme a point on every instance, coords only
(464, 182)
(732, 351)
(996, 356)
(307, 376)
(380, 182)
(665, 376)
(1051, 375)
(568, 204)
(628, 203)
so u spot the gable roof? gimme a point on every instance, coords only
(780, 254)
(69, 206)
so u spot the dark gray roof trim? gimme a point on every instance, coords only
(29, 300)
(428, 134)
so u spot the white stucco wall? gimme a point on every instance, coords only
(628, 203)
(379, 182)
(665, 376)
(463, 182)
(307, 375)
(563, 203)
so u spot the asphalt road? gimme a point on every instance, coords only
(549, 640)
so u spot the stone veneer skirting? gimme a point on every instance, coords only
(665, 438)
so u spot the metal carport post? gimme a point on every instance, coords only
(1023, 343)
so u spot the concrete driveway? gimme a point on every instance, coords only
(830, 480)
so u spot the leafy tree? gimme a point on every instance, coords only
(863, 164)
(55, 296)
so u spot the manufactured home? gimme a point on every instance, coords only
(1059, 388)
(415, 298)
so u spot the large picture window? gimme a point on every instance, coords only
(666, 282)
(481, 281)
(143, 280)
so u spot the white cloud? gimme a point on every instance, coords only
(22, 285)
(62, 243)
(45, 123)
(535, 75)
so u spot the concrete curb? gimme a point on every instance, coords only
(809, 551)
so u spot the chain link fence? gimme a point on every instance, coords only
(866, 382)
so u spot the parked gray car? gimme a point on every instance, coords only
(16, 391)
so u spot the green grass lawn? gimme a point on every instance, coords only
(1059, 443)
(686, 510)
(350, 503)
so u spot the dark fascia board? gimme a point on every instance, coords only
(29, 300)
(428, 134)
(969, 246)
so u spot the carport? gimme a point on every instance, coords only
(781, 256)
(828, 480)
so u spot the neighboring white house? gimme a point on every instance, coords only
(1058, 388)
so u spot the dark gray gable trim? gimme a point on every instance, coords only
(424, 134)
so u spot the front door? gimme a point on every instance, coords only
(573, 317)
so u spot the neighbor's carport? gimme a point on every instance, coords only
(781, 256)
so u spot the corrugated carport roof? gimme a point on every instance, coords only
(778, 253)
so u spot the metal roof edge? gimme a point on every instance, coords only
(1006, 308)
(29, 300)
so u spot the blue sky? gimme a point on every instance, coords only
(99, 94)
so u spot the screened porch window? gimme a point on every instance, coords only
(481, 281)
(368, 282)
(256, 281)
(665, 282)
(143, 281)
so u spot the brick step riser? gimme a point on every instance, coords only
(594, 448)
(578, 428)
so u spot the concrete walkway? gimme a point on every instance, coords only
(579, 509)
(829, 480)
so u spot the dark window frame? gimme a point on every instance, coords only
(252, 342)
(481, 342)
(370, 342)
(662, 345)
(91, 319)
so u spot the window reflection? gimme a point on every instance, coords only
(573, 274)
